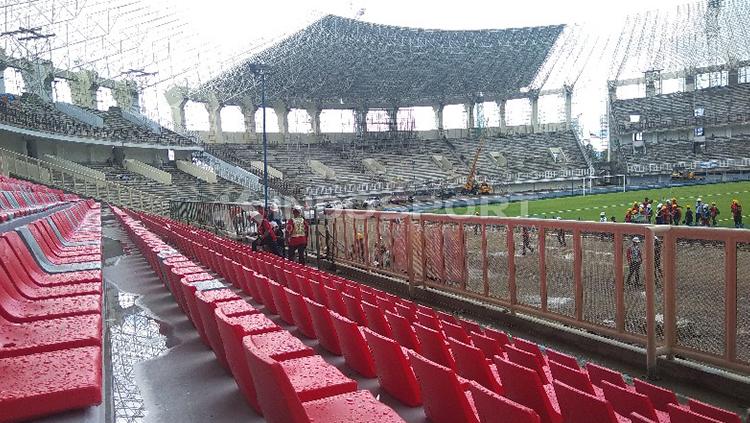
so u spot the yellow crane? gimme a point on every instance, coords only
(470, 187)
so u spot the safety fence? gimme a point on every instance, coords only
(59, 176)
(673, 290)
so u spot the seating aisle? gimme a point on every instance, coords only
(457, 370)
(50, 302)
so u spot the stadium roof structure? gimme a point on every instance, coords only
(338, 62)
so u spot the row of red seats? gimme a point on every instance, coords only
(438, 343)
(280, 377)
(50, 314)
(16, 202)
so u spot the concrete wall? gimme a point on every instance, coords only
(13, 142)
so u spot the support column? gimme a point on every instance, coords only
(126, 96)
(37, 77)
(314, 112)
(248, 108)
(733, 77)
(469, 109)
(689, 82)
(438, 110)
(177, 98)
(360, 120)
(534, 112)
(568, 93)
(83, 88)
(213, 106)
(501, 112)
(282, 116)
(392, 119)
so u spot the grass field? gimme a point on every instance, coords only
(614, 204)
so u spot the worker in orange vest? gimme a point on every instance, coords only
(297, 231)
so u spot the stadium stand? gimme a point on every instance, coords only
(720, 105)
(277, 388)
(31, 112)
(50, 302)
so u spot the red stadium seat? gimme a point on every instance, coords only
(528, 360)
(434, 347)
(471, 364)
(489, 346)
(376, 320)
(456, 332)
(395, 374)
(660, 397)
(494, 408)
(625, 402)
(498, 335)
(574, 378)
(282, 403)
(281, 302)
(579, 407)
(444, 398)
(354, 309)
(679, 414)
(403, 333)
(353, 346)
(299, 311)
(715, 413)
(524, 386)
(560, 358)
(323, 327)
(598, 374)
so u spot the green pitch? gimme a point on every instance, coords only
(614, 204)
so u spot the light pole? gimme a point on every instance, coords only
(258, 69)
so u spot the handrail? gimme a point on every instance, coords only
(55, 175)
(579, 274)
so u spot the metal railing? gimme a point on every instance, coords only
(57, 176)
(685, 297)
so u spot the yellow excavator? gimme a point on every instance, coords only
(471, 187)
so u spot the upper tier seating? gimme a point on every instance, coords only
(721, 105)
(50, 305)
(31, 112)
(675, 151)
(423, 381)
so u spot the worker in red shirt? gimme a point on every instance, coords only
(266, 236)
(297, 231)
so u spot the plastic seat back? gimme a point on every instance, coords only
(403, 333)
(395, 374)
(494, 408)
(598, 374)
(637, 418)
(434, 347)
(524, 386)
(531, 348)
(321, 321)
(281, 302)
(625, 401)
(579, 407)
(276, 396)
(660, 397)
(572, 377)
(376, 320)
(334, 301)
(561, 358)
(489, 346)
(354, 309)
(444, 398)
(471, 364)
(715, 413)
(353, 346)
(679, 414)
(456, 332)
(428, 321)
(526, 359)
(498, 335)
(301, 316)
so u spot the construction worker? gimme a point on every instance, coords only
(628, 216)
(736, 208)
(602, 217)
(526, 238)
(676, 212)
(265, 235)
(688, 216)
(635, 258)
(698, 211)
(713, 212)
(297, 231)
(561, 235)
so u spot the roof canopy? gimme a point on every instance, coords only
(343, 63)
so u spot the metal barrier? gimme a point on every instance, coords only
(58, 176)
(682, 299)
